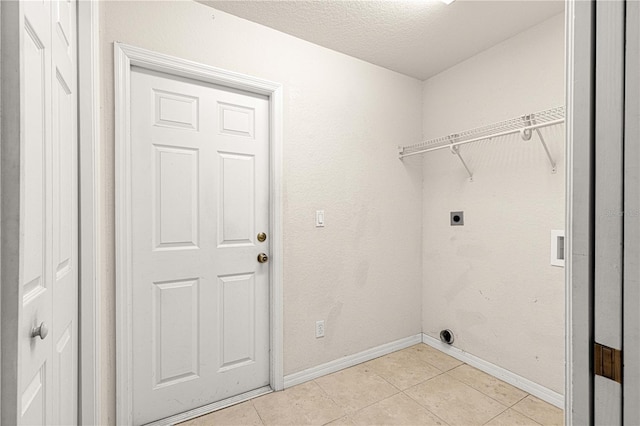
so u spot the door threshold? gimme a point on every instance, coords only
(210, 408)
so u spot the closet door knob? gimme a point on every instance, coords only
(42, 330)
(263, 258)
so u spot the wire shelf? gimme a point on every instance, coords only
(523, 123)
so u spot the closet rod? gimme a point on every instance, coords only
(482, 138)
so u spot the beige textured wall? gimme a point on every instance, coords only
(343, 119)
(490, 281)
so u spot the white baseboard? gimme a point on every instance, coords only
(520, 382)
(349, 361)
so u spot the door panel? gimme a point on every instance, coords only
(175, 212)
(200, 191)
(34, 407)
(36, 72)
(236, 208)
(237, 332)
(175, 331)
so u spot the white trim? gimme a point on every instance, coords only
(568, 253)
(277, 245)
(350, 361)
(0, 213)
(210, 408)
(125, 57)
(579, 72)
(89, 212)
(520, 382)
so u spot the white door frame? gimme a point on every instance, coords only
(125, 57)
(578, 310)
(90, 212)
(579, 197)
(587, 403)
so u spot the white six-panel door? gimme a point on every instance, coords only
(200, 197)
(48, 326)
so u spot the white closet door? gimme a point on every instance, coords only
(200, 196)
(47, 334)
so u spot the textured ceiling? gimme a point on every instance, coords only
(418, 38)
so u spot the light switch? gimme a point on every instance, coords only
(319, 218)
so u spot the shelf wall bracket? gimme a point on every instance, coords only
(456, 150)
(546, 150)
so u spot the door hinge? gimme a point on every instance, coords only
(607, 362)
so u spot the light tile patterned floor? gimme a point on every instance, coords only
(415, 386)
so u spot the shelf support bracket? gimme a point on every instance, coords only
(546, 150)
(456, 150)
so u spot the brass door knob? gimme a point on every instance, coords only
(263, 258)
(262, 237)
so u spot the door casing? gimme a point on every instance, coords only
(579, 74)
(90, 211)
(127, 56)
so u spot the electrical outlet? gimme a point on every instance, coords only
(319, 329)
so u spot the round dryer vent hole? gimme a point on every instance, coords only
(446, 336)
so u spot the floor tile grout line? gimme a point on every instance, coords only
(431, 364)
(325, 392)
(331, 421)
(440, 372)
(331, 398)
(489, 396)
(391, 396)
(497, 415)
(378, 375)
(470, 387)
(426, 408)
(526, 394)
(344, 413)
(422, 382)
(373, 403)
(257, 411)
(533, 420)
(521, 399)
(528, 416)
(362, 408)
